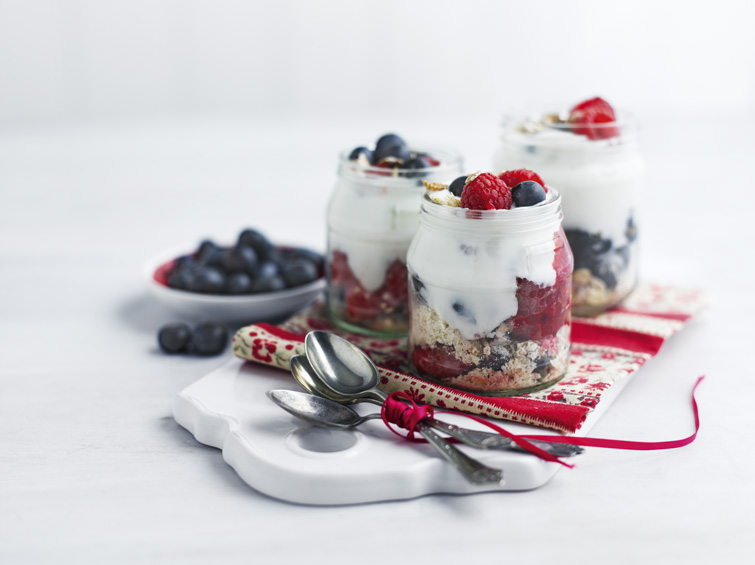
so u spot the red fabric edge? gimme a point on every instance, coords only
(678, 316)
(283, 334)
(593, 334)
(567, 417)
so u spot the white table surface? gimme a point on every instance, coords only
(93, 468)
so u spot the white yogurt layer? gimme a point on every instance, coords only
(469, 269)
(600, 181)
(373, 222)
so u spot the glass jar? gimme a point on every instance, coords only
(600, 176)
(490, 296)
(372, 216)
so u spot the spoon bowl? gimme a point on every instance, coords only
(318, 410)
(305, 375)
(342, 367)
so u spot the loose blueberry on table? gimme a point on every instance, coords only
(208, 338)
(253, 265)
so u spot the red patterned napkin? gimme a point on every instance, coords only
(605, 349)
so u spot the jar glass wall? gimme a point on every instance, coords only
(372, 216)
(490, 297)
(599, 171)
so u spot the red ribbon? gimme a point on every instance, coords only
(407, 416)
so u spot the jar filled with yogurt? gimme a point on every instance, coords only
(373, 214)
(490, 288)
(591, 154)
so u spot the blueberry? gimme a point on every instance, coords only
(313, 256)
(462, 311)
(468, 250)
(185, 262)
(354, 155)
(181, 279)
(173, 338)
(265, 250)
(299, 271)
(417, 284)
(212, 257)
(240, 259)
(527, 193)
(600, 245)
(268, 269)
(609, 269)
(254, 239)
(208, 280)
(210, 338)
(239, 283)
(268, 284)
(414, 164)
(597, 254)
(497, 358)
(419, 289)
(587, 248)
(457, 186)
(542, 364)
(391, 145)
(205, 248)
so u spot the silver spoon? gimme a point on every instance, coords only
(331, 413)
(318, 410)
(351, 376)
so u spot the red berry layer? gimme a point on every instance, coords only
(439, 362)
(543, 310)
(363, 305)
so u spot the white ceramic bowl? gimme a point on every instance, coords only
(244, 309)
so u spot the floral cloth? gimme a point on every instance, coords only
(605, 349)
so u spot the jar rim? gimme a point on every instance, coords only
(515, 219)
(450, 160)
(624, 120)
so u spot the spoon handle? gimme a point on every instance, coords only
(483, 440)
(472, 470)
(490, 440)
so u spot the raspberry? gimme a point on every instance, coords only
(594, 111)
(340, 272)
(532, 298)
(362, 305)
(439, 362)
(552, 304)
(396, 285)
(513, 178)
(486, 192)
(563, 262)
(542, 310)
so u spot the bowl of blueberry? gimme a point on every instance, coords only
(252, 280)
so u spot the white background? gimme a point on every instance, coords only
(92, 60)
(126, 127)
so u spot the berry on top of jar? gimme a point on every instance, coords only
(593, 118)
(516, 188)
(392, 152)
